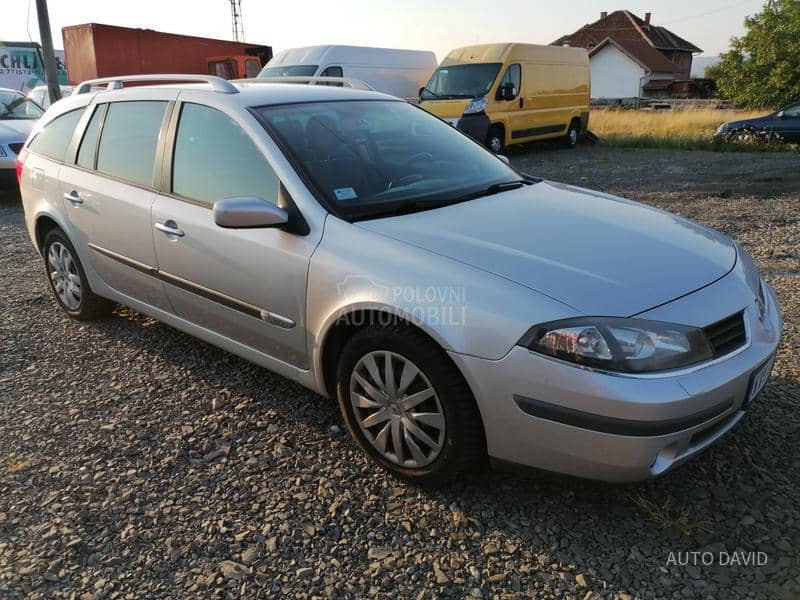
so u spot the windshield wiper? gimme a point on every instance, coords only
(432, 93)
(404, 208)
(495, 188)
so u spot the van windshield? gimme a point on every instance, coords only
(289, 71)
(461, 81)
(371, 158)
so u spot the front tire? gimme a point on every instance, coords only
(68, 281)
(496, 139)
(407, 405)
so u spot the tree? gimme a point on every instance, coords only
(713, 71)
(762, 68)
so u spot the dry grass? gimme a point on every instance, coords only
(682, 520)
(18, 465)
(677, 129)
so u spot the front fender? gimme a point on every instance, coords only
(463, 308)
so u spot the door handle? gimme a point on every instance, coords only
(73, 197)
(521, 102)
(170, 228)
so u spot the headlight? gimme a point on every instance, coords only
(476, 106)
(751, 274)
(618, 344)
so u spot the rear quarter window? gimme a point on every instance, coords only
(54, 138)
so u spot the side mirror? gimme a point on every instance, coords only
(503, 158)
(507, 91)
(779, 114)
(248, 212)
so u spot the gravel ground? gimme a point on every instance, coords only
(136, 461)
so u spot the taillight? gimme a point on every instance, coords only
(20, 165)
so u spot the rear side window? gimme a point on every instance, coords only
(128, 143)
(88, 148)
(215, 159)
(53, 140)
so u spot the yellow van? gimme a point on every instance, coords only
(504, 94)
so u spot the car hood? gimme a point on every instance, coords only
(600, 254)
(15, 130)
(754, 122)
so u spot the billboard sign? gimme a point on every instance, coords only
(21, 66)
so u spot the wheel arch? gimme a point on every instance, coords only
(342, 326)
(501, 125)
(43, 224)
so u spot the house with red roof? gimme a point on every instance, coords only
(631, 57)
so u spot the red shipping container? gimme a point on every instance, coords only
(94, 50)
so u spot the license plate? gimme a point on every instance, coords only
(758, 380)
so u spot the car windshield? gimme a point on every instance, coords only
(289, 71)
(370, 158)
(461, 81)
(17, 106)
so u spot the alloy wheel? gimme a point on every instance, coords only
(64, 275)
(397, 409)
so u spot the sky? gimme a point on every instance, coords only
(437, 25)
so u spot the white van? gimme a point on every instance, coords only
(400, 73)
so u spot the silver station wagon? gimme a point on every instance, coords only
(455, 308)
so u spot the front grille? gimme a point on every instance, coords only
(16, 148)
(726, 335)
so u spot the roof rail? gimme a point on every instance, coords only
(115, 83)
(343, 81)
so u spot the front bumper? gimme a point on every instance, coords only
(549, 414)
(475, 126)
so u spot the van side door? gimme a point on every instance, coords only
(248, 285)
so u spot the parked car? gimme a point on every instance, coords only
(41, 95)
(780, 126)
(354, 243)
(389, 70)
(17, 116)
(503, 94)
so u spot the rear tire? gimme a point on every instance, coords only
(570, 140)
(424, 407)
(68, 281)
(496, 139)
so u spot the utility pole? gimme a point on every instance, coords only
(48, 54)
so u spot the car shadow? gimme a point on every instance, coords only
(697, 504)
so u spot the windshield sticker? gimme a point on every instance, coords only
(345, 193)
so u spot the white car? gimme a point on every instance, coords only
(17, 116)
(41, 96)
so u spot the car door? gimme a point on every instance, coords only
(513, 109)
(788, 124)
(248, 285)
(108, 191)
